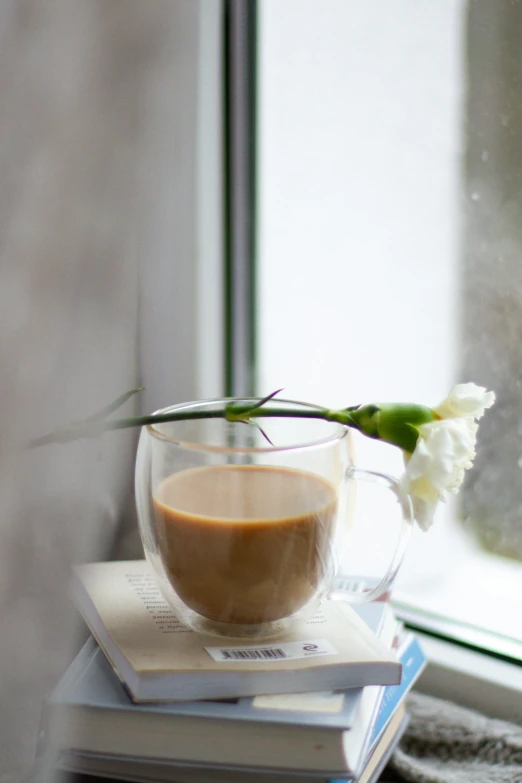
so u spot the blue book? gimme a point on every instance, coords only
(91, 712)
(413, 663)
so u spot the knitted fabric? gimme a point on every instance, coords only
(445, 743)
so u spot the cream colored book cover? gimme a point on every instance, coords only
(121, 600)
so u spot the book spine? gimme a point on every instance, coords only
(413, 662)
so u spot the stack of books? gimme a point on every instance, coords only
(148, 699)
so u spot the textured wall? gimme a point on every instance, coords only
(94, 168)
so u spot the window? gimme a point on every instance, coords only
(388, 257)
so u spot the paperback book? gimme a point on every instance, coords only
(158, 658)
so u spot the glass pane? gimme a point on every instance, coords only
(388, 257)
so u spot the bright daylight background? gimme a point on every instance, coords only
(365, 238)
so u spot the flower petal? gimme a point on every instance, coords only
(423, 511)
(465, 399)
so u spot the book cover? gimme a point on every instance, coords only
(159, 658)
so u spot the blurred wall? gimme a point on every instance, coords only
(491, 329)
(98, 136)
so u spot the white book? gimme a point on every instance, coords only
(158, 658)
(140, 771)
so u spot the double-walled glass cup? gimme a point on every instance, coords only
(245, 534)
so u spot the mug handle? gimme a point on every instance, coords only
(359, 597)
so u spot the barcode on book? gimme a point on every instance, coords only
(285, 651)
(262, 653)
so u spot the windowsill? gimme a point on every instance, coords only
(465, 594)
(453, 589)
(473, 679)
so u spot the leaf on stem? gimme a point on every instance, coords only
(267, 399)
(258, 426)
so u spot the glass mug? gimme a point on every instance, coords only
(244, 535)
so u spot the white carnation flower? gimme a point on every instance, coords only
(445, 449)
(465, 399)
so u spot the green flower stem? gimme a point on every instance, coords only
(94, 426)
(396, 423)
(234, 412)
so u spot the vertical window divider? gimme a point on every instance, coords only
(240, 52)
